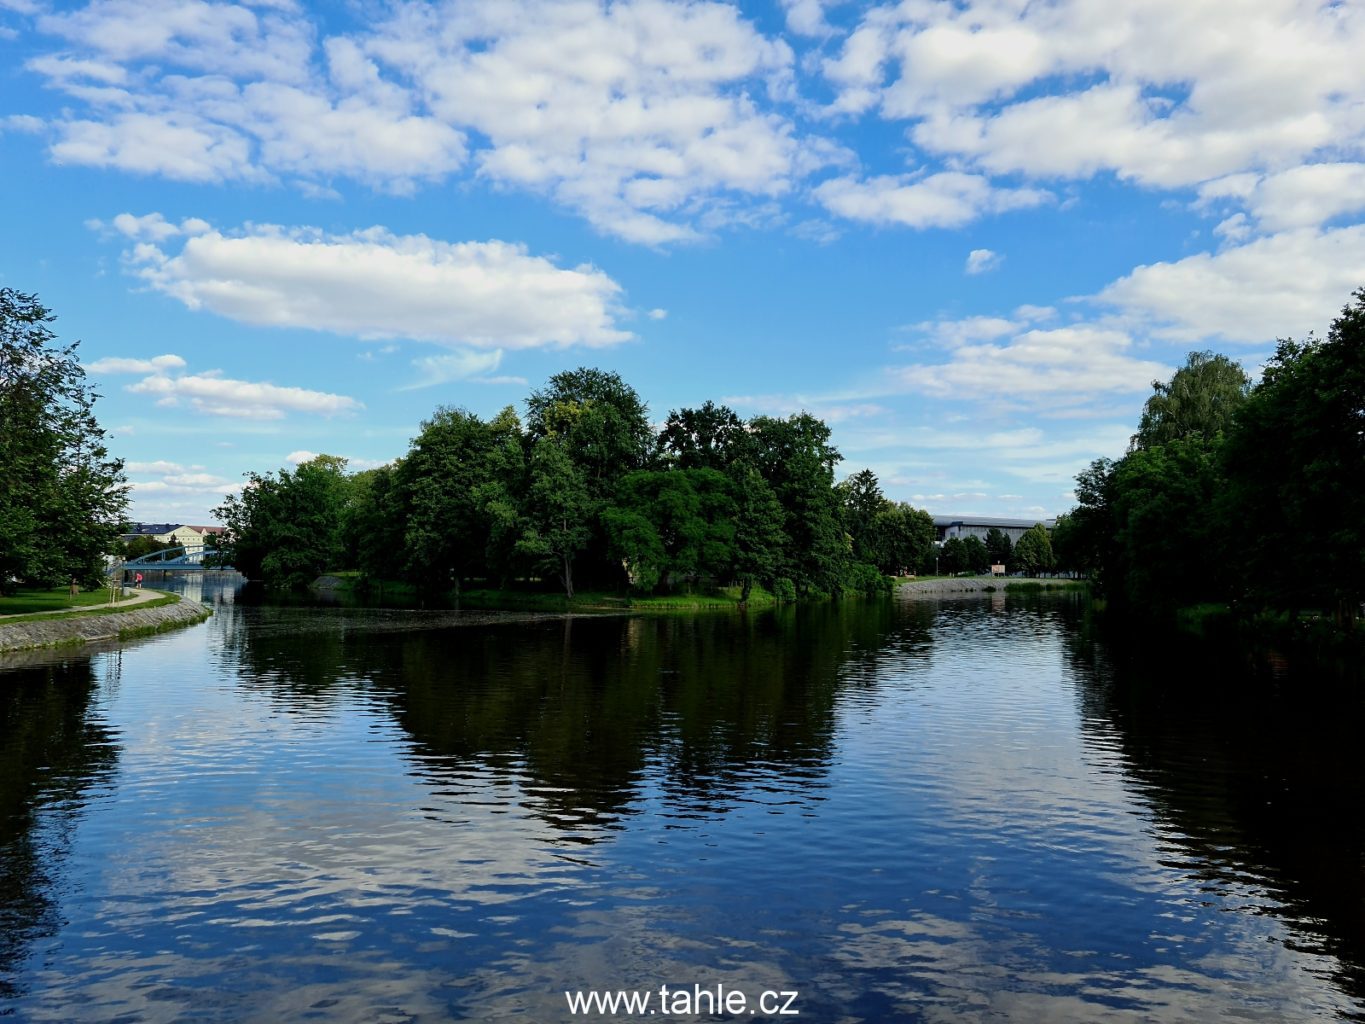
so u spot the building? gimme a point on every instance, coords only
(978, 526)
(174, 533)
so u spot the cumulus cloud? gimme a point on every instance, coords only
(1030, 366)
(1279, 286)
(944, 200)
(213, 394)
(1159, 92)
(451, 366)
(647, 117)
(980, 261)
(375, 284)
(119, 364)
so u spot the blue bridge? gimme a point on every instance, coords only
(189, 558)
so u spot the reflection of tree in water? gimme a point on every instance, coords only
(595, 714)
(52, 751)
(1256, 781)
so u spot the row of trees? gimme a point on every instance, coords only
(62, 496)
(585, 492)
(1238, 493)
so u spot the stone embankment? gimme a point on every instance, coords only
(20, 634)
(975, 585)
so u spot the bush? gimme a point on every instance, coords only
(784, 590)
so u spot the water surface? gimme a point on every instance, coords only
(936, 811)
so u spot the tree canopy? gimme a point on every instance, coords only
(62, 495)
(586, 494)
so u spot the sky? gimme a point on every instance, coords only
(968, 235)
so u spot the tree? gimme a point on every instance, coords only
(447, 530)
(554, 523)
(760, 540)
(976, 556)
(903, 538)
(953, 556)
(602, 425)
(861, 499)
(1202, 398)
(1294, 467)
(711, 437)
(286, 528)
(1033, 553)
(999, 547)
(62, 496)
(796, 459)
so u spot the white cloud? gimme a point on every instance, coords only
(353, 464)
(1279, 286)
(1308, 196)
(1030, 367)
(646, 117)
(806, 17)
(213, 395)
(1162, 92)
(160, 466)
(945, 200)
(118, 364)
(374, 284)
(658, 314)
(980, 261)
(451, 366)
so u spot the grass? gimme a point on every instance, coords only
(1049, 585)
(27, 602)
(723, 598)
(91, 608)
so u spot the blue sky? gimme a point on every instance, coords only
(969, 235)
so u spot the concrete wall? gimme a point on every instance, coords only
(83, 628)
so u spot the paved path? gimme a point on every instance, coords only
(131, 599)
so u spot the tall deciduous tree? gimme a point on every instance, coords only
(1033, 553)
(1200, 399)
(62, 495)
(555, 521)
(711, 437)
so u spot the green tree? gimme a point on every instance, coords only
(861, 498)
(1033, 553)
(374, 526)
(286, 528)
(711, 437)
(1202, 398)
(903, 538)
(554, 521)
(952, 557)
(999, 547)
(760, 539)
(602, 425)
(976, 556)
(447, 530)
(796, 459)
(1294, 467)
(62, 495)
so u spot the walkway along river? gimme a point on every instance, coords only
(958, 810)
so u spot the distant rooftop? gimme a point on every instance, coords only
(988, 521)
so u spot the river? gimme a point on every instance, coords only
(966, 810)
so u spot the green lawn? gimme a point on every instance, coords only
(27, 601)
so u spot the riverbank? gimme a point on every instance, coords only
(983, 585)
(482, 599)
(153, 613)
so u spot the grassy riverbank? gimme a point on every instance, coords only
(59, 599)
(354, 585)
(86, 609)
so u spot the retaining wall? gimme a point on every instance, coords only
(84, 628)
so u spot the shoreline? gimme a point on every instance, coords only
(986, 585)
(84, 626)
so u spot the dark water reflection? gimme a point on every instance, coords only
(905, 811)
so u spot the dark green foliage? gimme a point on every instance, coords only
(1033, 553)
(1200, 399)
(287, 528)
(1228, 496)
(999, 547)
(1296, 474)
(62, 496)
(582, 495)
(952, 557)
(711, 437)
(141, 546)
(978, 559)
